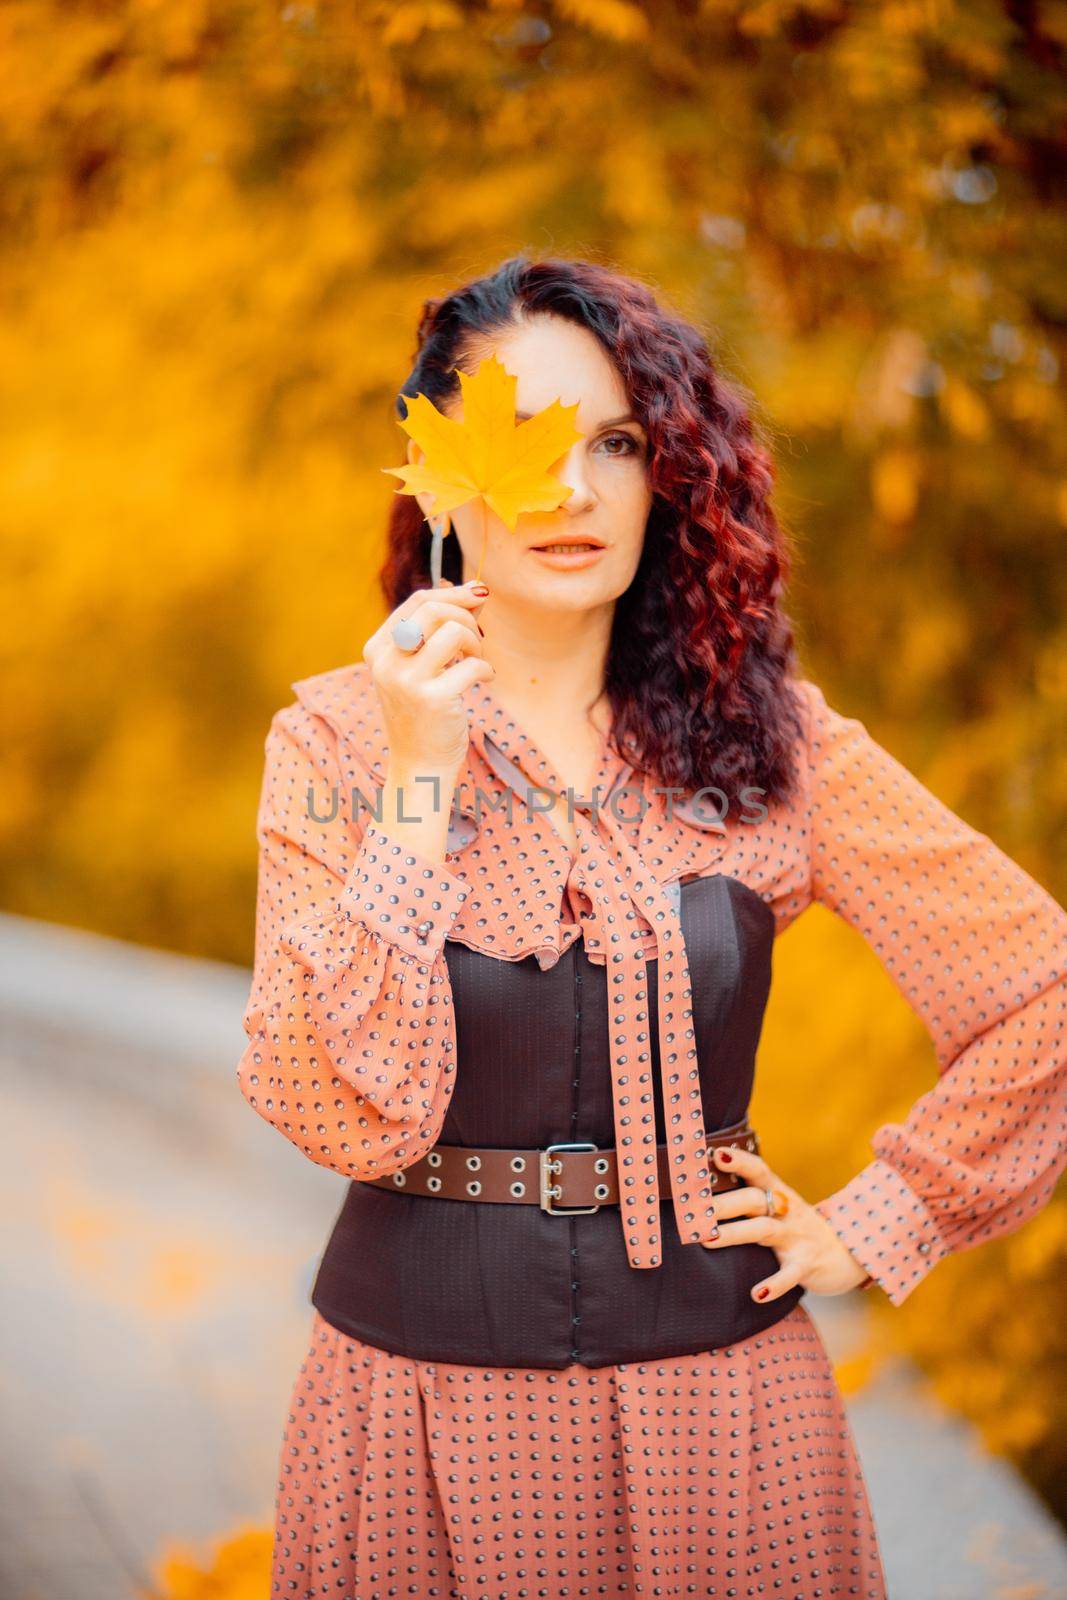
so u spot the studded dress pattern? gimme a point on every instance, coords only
(731, 1474)
(406, 1477)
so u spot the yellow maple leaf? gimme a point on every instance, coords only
(487, 454)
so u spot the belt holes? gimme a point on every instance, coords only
(600, 1192)
(433, 1184)
(474, 1187)
(518, 1163)
(434, 1158)
(400, 1178)
(518, 1189)
(601, 1165)
(474, 1162)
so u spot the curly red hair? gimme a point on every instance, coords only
(701, 652)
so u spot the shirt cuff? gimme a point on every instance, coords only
(401, 895)
(887, 1228)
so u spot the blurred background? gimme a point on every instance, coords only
(218, 220)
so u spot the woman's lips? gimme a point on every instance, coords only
(570, 559)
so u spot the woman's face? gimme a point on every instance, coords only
(553, 359)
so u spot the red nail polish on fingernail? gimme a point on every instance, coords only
(761, 1294)
(479, 588)
(724, 1155)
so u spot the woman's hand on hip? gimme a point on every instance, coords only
(809, 1251)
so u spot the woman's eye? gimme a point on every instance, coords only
(626, 439)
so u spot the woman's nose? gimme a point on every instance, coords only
(573, 473)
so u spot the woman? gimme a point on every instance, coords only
(518, 1006)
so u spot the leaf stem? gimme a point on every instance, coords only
(485, 538)
(436, 552)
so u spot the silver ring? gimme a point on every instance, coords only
(408, 634)
(769, 1194)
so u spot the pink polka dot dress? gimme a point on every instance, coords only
(426, 1457)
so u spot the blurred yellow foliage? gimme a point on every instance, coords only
(895, 484)
(239, 1570)
(219, 220)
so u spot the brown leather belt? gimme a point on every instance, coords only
(562, 1179)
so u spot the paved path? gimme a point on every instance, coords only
(160, 1242)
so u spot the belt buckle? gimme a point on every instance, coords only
(550, 1190)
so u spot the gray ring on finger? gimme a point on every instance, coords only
(408, 635)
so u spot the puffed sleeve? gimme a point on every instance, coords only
(979, 950)
(351, 1037)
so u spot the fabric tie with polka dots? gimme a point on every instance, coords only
(610, 873)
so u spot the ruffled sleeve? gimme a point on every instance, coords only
(979, 949)
(352, 1051)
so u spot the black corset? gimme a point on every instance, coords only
(510, 1285)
